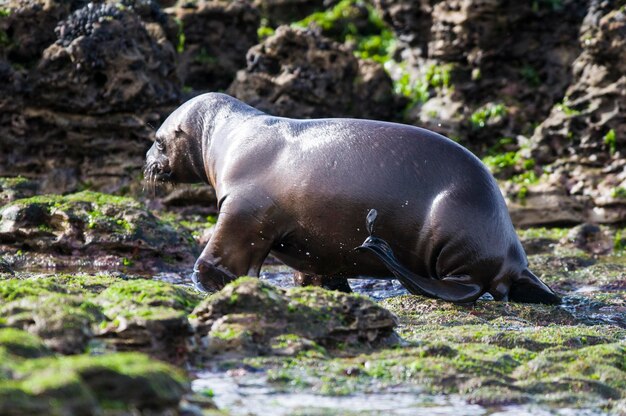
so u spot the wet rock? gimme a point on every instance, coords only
(217, 35)
(127, 382)
(72, 312)
(590, 238)
(22, 344)
(424, 311)
(298, 73)
(93, 229)
(248, 315)
(144, 315)
(63, 321)
(572, 370)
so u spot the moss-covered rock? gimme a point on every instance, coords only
(91, 229)
(16, 188)
(70, 312)
(22, 344)
(248, 314)
(35, 382)
(147, 315)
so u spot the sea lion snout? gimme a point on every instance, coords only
(157, 168)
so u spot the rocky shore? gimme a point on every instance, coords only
(97, 312)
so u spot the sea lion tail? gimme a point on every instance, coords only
(527, 287)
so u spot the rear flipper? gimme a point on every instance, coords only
(528, 288)
(458, 289)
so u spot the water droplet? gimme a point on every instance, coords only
(308, 254)
(251, 244)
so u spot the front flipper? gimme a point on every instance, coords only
(238, 246)
(458, 289)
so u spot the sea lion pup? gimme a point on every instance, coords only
(300, 189)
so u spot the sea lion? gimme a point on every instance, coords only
(300, 189)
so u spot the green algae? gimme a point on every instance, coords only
(14, 182)
(481, 117)
(22, 344)
(149, 293)
(68, 201)
(85, 384)
(249, 314)
(373, 39)
(34, 380)
(69, 311)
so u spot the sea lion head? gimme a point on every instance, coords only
(176, 156)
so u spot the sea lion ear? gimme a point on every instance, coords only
(370, 220)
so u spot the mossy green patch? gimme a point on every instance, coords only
(22, 344)
(151, 293)
(14, 182)
(611, 141)
(481, 117)
(333, 319)
(87, 384)
(60, 201)
(372, 38)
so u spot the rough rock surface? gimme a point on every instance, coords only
(91, 229)
(251, 317)
(517, 54)
(279, 12)
(582, 139)
(218, 34)
(82, 86)
(596, 99)
(16, 188)
(298, 73)
(72, 312)
(33, 381)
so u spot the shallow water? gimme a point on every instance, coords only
(377, 289)
(251, 394)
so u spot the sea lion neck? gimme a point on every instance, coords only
(222, 115)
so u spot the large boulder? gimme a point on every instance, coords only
(91, 229)
(82, 89)
(249, 316)
(516, 55)
(299, 73)
(71, 312)
(582, 140)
